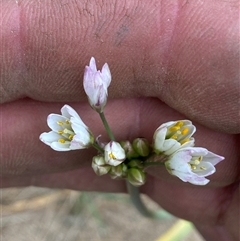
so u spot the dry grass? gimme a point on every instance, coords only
(40, 214)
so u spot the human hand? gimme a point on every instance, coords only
(168, 61)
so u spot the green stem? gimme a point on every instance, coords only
(140, 206)
(137, 201)
(105, 123)
(148, 164)
(96, 146)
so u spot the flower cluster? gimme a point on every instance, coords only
(172, 146)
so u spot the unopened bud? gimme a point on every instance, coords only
(130, 152)
(99, 165)
(119, 171)
(141, 146)
(136, 176)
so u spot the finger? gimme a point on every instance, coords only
(228, 228)
(24, 121)
(213, 210)
(185, 56)
(83, 179)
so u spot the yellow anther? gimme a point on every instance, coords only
(60, 132)
(203, 168)
(174, 137)
(61, 140)
(196, 162)
(193, 167)
(179, 123)
(67, 122)
(185, 131)
(112, 156)
(70, 137)
(60, 123)
(174, 128)
(66, 131)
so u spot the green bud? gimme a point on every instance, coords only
(141, 146)
(130, 152)
(118, 172)
(136, 176)
(135, 163)
(99, 165)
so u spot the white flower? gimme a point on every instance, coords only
(193, 164)
(171, 136)
(95, 83)
(68, 131)
(114, 153)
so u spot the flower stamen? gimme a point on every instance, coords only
(193, 167)
(175, 132)
(112, 156)
(185, 131)
(60, 123)
(61, 141)
(174, 137)
(66, 131)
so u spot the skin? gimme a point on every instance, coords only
(169, 60)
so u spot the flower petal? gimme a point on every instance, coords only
(54, 119)
(159, 137)
(92, 64)
(49, 137)
(191, 178)
(57, 146)
(197, 151)
(76, 144)
(213, 158)
(170, 146)
(106, 75)
(69, 112)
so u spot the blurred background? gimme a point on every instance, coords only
(41, 214)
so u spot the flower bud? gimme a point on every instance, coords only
(141, 146)
(99, 165)
(136, 176)
(95, 83)
(130, 152)
(114, 153)
(119, 171)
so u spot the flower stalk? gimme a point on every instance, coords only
(106, 126)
